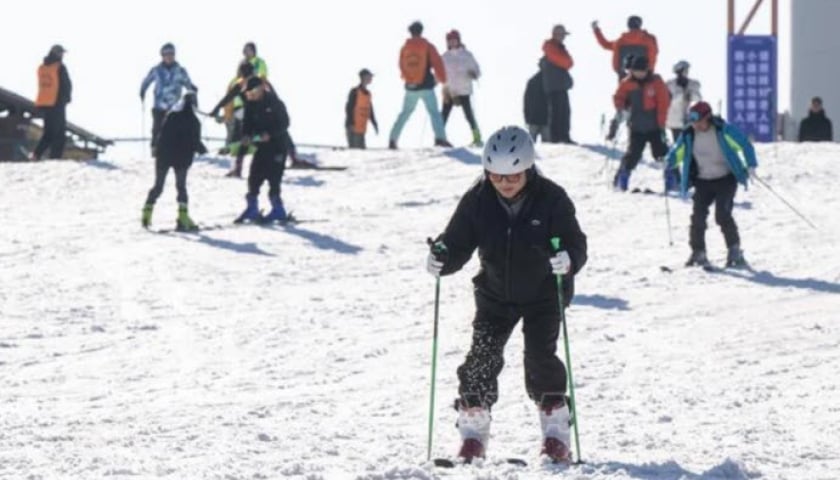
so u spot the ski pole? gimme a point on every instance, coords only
(555, 243)
(434, 372)
(782, 199)
(668, 210)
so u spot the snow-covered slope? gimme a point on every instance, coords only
(304, 352)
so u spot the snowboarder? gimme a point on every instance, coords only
(54, 93)
(709, 154)
(511, 214)
(634, 42)
(418, 58)
(170, 79)
(647, 98)
(461, 69)
(179, 141)
(266, 124)
(557, 81)
(684, 93)
(359, 111)
(816, 127)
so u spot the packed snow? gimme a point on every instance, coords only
(304, 351)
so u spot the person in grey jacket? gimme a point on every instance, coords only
(170, 79)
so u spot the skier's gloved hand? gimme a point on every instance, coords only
(594, 24)
(663, 135)
(437, 257)
(561, 264)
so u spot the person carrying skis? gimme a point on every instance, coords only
(646, 96)
(709, 153)
(179, 141)
(170, 79)
(461, 69)
(684, 93)
(418, 58)
(557, 81)
(359, 111)
(265, 124)
(54, 93)
(510, 215)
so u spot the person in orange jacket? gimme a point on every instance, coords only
(418, 58)
(645, 94)
(634, 42)
(54, 93)
(359, 111)
(554, 67)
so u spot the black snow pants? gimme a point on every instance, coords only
(267, 165)
(54, 135)
(162, 167)
(545, 374)
(721, 191)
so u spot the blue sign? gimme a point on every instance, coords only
(752, 85)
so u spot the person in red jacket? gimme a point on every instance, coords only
(645, 94)
(634, 42)
(554, 66)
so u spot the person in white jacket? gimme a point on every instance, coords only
(684, 93)
(461, 70)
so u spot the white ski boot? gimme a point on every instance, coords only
(474, 425)
(556, 432)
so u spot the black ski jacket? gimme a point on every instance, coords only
(180, 138)
(270, 116)
(816, 127)
(514, 253)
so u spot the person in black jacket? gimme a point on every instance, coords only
(266, 124)
(536, 108)
(54, 93)
(510, 215)
(816, 127)
(178, 141)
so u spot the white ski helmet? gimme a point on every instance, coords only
(681, 66)
(508, 151)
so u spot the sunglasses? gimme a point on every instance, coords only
(510, 178)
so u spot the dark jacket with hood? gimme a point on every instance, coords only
(514, 251)
(816, 127)
(535, 103)
(180, 136)
(268, 115)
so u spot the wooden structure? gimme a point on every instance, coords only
(19, 133)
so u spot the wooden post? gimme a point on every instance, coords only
(750, 17)
(730, 18)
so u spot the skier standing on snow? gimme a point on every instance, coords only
(54, 93)
(634, 42)
(233, 114)
(684, 93)
(557, 81)
(816, 127)
(708, 153)
(647, 98)
(250, 53)
(418, 58)
(265, 124)
(461, 70)
(511, 214)
(535, 107)
(170, 79)
(179, 141)
(359, 111)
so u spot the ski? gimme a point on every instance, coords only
(449, 463)
(201, 228)
(312, 166)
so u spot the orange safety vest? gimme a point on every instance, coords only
(361, 111)
(47, 85)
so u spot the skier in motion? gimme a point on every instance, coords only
(708, 153)
(510, 214)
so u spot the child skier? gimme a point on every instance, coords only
(461, 69)
(684, 93)
(511, 214)
(265, 125)
(179, 140)
(708, 152)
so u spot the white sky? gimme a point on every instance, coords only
(314, 50)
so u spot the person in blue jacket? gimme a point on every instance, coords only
(170, 79)
(714, 157)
